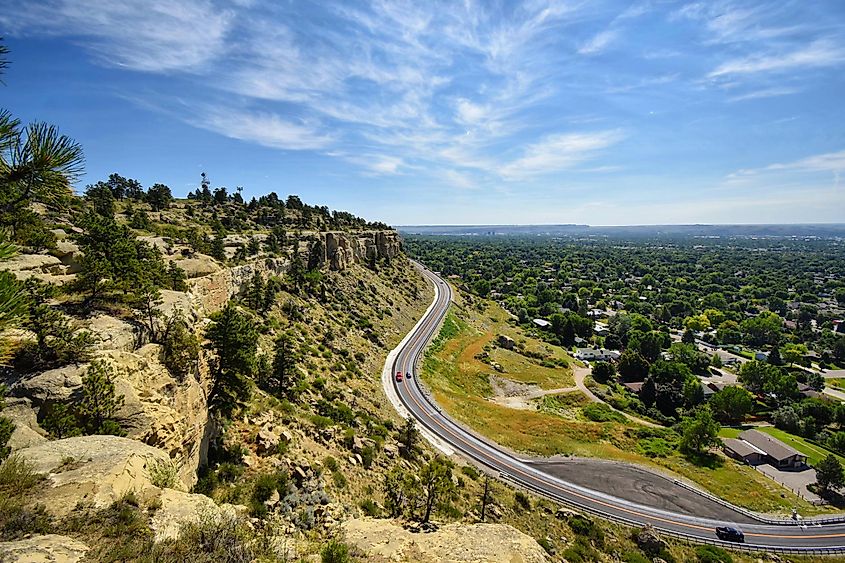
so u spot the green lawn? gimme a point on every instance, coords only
(836, 382)
(813, 452)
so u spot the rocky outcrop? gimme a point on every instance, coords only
(198, 265)
(179, 508)
(454, 543)
(211, 292)
(95, 470)
(112, 333)
(40, 266)
(52, 385)
(51, 548)
(161, 411)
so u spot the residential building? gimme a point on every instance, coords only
(592, 354)
(777, 453)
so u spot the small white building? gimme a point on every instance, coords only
(592, 354)
(542, 323)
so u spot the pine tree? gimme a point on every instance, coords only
(13, 301)
(180, 346)
(99, 399)
(408, 439)
(437, 485)
(234, 341)
(218, 249)
(146, 300)
(829, 475)
(284, 374)
(6, 427)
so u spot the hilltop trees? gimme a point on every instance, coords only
(699, 432)
(732, 404)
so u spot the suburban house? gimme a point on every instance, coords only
(590, 354)
(755, 447)
(633, 386)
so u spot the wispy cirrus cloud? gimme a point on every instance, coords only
(598, 42)
(559, 152)
(820, 53)
(262, 128)
(141, 35)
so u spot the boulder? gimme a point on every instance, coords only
(648, 541)
(198, 265)
(27, 431)
(267, 441)
(52, 385)
(178, 301)
(179, 508)
(51, 548)
(25, 266)
(385, 540)
(95, 470)
(113, 333)
(68, 253)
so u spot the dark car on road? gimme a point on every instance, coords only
(728, 533)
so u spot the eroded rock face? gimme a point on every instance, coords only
(453, 543)
(95, 470)
(51, 548)
(160, 410)
(58, 384)
(113, 333)
(212, 291)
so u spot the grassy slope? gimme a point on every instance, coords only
(460, 383)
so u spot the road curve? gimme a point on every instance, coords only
(776, 536)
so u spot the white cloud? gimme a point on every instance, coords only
(598, 42)
(765, 93)
(142, 35)
(820, 53)
(265, 129)
(559, 152)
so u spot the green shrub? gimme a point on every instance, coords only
(599, 412)
(370, 508)
(368, 453)
(712, 554)
(546, 545)
(471, 472)
(335, 551)
(522, 500)
(339, 480)
(17, 476)
(581, 552)
(635, 557)
(163, 473)
(655, 447)
(321, 422)
(331, 463)
(586, 528)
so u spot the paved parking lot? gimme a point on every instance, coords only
(796, 481)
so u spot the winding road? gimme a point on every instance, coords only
(411, 399)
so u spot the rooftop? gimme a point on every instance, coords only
(772, 446)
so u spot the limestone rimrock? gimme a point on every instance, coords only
(452, 543)
(198, 265)
(94, 470)
(113, 333)
(52, 385)
(160, 410)
(212, 291)
(69, 255)
(51, 548)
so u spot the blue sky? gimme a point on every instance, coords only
(453, 112)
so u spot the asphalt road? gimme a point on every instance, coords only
(550, 481)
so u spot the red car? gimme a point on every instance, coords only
(398, 376)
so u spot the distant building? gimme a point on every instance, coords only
(634, 386)
(590, 354)
(542, 323)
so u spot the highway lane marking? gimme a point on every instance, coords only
(493, 460)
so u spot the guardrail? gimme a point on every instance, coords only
(680, 536)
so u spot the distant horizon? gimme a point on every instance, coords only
(824, 223)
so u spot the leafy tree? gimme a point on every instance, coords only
(36, 164)
(793, 353)
(218, 248)
(101, 199)
(435, 478)
(829, 475)
(159, 197)
(632, 366)
(732, 404)
(409, 437)
(13, 302)
(146, 300)
(180, 346)
(688, 337)
(648, 344)
(233, 340)
(99, 401)
(697, 323)
(60, 421)
(699, 432)
(765, 328)
(603, 372)
(285, 373)
(690, 356)
(774, 357)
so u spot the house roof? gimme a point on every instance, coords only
(772, 446)
(741, 447)
(634, 386)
